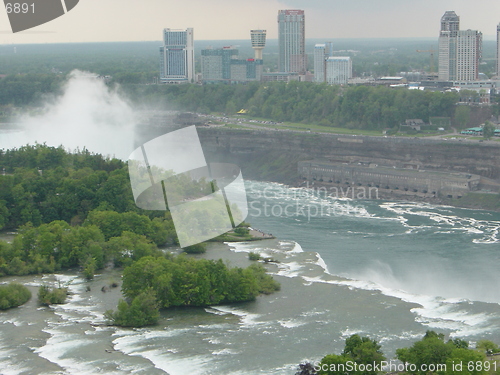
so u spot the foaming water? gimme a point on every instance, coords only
(387, 271)
(87, 115)
(246, 319)
(441, 258)
(8, 362)
(446, 220)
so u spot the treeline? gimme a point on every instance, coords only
(106, 237)
(153, 283)
(29, 89)
(35, 89)
(430, 355)
(41, 184)
(72, 210)
(360, 107)
(100, 58)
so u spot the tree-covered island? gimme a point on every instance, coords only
(76, 211)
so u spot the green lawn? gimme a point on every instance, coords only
(328, 129)
(419, 135)
(306, 127)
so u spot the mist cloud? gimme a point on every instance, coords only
(87, 115)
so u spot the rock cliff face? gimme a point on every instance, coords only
(273, 155)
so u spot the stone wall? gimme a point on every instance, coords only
(431, 184)
(250, 147)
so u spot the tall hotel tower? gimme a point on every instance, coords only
(321, 53)
(177, 56)
(450, 24)
(459, 50)
(291, 39)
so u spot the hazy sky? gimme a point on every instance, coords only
(137, 20)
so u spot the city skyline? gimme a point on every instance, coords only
(134, 21)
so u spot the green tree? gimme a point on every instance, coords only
(463, 361)
(488, 130)
(49, 296)
(199, 248)
(142, 311)
(241, 231)
(266, 284)
(128, 247)
(363, 350)
(462, 116)
(89, 267)
(4, 214)
(428, 351)
(333, 364)
(231, 108)
(487, 347)
(253, 256)
(433, 351)
(13, 295)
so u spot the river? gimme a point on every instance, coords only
(388, 270)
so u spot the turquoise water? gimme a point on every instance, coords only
(415, 247)
(389, 270)
(439, 257)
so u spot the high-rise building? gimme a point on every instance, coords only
(469, 51)
(222, 65)
(450, 24)
(459, 50)
(321, 53)
(338, 70)
(258, 38)
(216, 63)
(291, 40)
(246, 70)
(177, 56)
(319, 63)
(498, 50)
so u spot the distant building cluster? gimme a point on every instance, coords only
(224, 65)
(459, 57)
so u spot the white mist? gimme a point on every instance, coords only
(88, 114)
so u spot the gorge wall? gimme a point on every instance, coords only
(273, 155)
